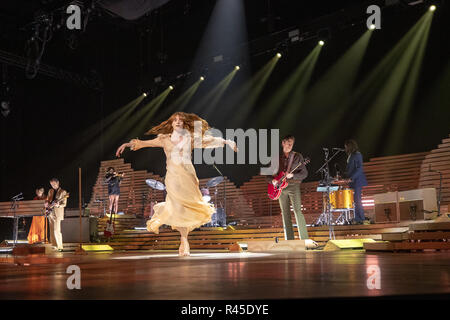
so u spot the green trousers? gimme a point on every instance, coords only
(291, 195)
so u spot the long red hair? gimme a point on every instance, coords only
(165, 127)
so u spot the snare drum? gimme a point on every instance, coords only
(342, 199)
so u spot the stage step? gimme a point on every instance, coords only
(430, 235)
(227, 238)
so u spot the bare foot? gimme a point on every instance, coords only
(184, 250)
(311, 244)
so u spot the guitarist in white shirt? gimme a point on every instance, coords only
(291, 194)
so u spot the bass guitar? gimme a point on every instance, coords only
(274, 190)
(54, 203)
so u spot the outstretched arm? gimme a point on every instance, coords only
(136, 144)
(209, 141)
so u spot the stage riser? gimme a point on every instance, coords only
(249, 205)
(225, 239)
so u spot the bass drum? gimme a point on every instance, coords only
(342, 199)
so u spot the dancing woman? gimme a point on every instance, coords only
(184, 208)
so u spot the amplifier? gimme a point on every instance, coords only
(70, 229)
(416, 204)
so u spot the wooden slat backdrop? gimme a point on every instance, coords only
(24, 208)
(250, 206)
(133, 189)
(438, 159)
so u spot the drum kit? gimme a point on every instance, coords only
(337, 197)
(154, 185)
(218, 218)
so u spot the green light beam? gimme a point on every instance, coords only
(250, 92)
(282, 94)
(374, 121)
(208, 102)
(151, 108)
(181, 102)
(289, 116)
(366, 92)
(337, 83)
(398, 131)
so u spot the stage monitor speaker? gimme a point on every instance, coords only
(411, 210)
(346, 244)
(385, 213)
(70, 228)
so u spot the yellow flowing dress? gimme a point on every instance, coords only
(184, 206)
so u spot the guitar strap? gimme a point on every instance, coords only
(291, 159)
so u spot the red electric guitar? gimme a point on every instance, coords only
(274, 190)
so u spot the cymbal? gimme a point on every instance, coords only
(214, 181)
(340, 181)
(155, 184)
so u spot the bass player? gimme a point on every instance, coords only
(56, 202)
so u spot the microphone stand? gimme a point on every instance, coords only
(325, 170)
(224, 192)
(328, 161)
(14, 206)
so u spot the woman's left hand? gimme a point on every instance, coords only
(232, 145)
(122, 148)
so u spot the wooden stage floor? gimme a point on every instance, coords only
(223, 275)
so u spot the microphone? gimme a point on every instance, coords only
(338, 149)
(17, 197)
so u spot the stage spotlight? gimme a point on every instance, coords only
(321, 43)
(278, 55)
(236, 68)
(432, 8)
(202, 78)
(171, 87)
(372, 27)
(144, 94)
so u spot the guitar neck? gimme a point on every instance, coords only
(301, 163)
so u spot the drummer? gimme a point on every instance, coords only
(357, 178)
